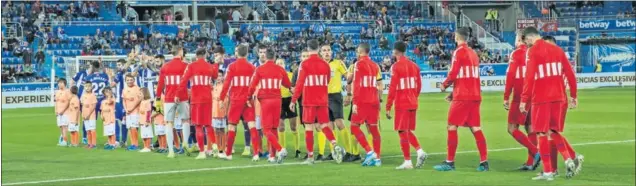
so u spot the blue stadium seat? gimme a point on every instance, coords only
(6, 54)
(19, 60)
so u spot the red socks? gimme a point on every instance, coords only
(570, 149)
(544, 150)
(200, 136)
(209, 130)
(559, 142)
(451, 144)
(413, 140)
(309, 142)
(256, 140)
(532, 137)
(329, 134)
(272, 139)
(355, 130)
(525, 141)
(375, 132)
(230, 142)
(404, 144)
(481, 145)
(555, 156)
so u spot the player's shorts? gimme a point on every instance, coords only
(132, 121)
(220, 123)
(73, 127)
(119, 111)
(171, 109)
(316, 114)
(109, 129)
(270, 112)
(89, 125)
(239, 109)
(285, 112)
(201, 114)
(404, 120)
(62, 120)
(146, 131)
(564, 111)
(547, 116)
(160, 130)
(464, 113)
(336, 110)
(515, 116)
(369, 114)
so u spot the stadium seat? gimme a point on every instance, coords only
(19, 60)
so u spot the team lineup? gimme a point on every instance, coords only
(203, 102)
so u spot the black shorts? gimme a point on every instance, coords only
(287, 113)
(335, 107)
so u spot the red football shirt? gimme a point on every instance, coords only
(516, 73)
(269, 77)
(464, 75)
(405, 86)
(237, 80)
(547, 64)
(201, 75)
(365, 83)
(169, 78)
(313, 79)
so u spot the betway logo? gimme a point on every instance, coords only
(627, 23)
(602, 24)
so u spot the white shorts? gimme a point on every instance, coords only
(132, 121)
(73, 127)
(89, 125)
(109, 129)
(178, 124)
(62, 120)
(219, 123)
(160, 130)
(258, 122)
(146, 131)
(183, 108)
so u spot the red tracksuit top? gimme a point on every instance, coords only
(516, 73)
(201, 76)
(169, 78)
(313, 79)
(547, 64)
(464, 75)
(365, 83)
(405, 86)
(270, 78)
(237, 80)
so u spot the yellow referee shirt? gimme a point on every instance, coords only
(284, 92)
(338, 69)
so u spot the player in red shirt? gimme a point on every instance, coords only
(366, 104)
(404, 90)
(237, 81)
(169, 79)
(578, 158)
(269, 77)
(201, 76)
(544, 85)
(514, 85)
(465, 101)
(313, 78)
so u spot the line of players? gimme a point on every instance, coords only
(242, 79)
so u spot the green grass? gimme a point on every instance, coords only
(29, 152)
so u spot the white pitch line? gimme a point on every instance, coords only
(268, 165)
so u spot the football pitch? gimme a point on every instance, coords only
(602, 128)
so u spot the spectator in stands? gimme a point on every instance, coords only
(132, 15)
(146, 16)
(167, 17)
(236, 15)
(384, 43)
(121, 8)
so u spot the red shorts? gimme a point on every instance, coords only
(200, 113)
(240, 109)
(270, 112)
(404, 120)
(546, 116)
(464, 113)
(564, 111)
(369, 114)
(312, 114)
(515, 116)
